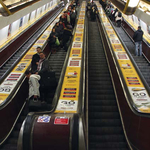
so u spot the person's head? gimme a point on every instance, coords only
(53, 30)
(63, 16)
(28, 73)
(60, 22)
(65, 13)
(42, 55)
(57, 24)
(39, 49)
(139, 27)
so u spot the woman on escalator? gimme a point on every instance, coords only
(52, 40)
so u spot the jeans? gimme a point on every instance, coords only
(138, 47)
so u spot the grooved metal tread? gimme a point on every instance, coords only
(105, 128)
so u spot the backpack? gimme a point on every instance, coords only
(119, 14)
(48, 79)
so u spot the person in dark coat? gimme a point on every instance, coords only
(52, 40)
(43, 65)
(138, 37)
(72, 17)
(93, 13)
(42, 70)
(35, 60)
(63, 18)
(66, 36)
(59, 29)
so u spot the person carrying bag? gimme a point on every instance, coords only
(34, 93)
(57, 41)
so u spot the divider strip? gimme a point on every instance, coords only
(69, 97)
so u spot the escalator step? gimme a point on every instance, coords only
(9, 147)
(99, 81)
(107, 138)
(102, 102)
(104, 122)
(96, 91)
(105, 130)
(99, 75)
(108, 145)
(104, 115)
(92, 67)
(91, 97)
(109, 148)
(101, 86)
(103, 108)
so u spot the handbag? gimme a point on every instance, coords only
(34, 104)
(57, 41)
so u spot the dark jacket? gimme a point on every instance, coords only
(45, 67)
(35, 59)
(138, 35)
(59, 30)
(67, 34)
(51, 39)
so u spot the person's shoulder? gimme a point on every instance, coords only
(46, 61)
(35, 55)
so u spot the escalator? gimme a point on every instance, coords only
(141, 62)
(9, 64)
(105, 127)
(56, 62)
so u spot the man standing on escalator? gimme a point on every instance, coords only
(138, 37)
(35, 59)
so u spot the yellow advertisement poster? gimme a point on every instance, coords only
(70, 88)
(68, 101)
(130, 75)
(76, 52)
(78, 39)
